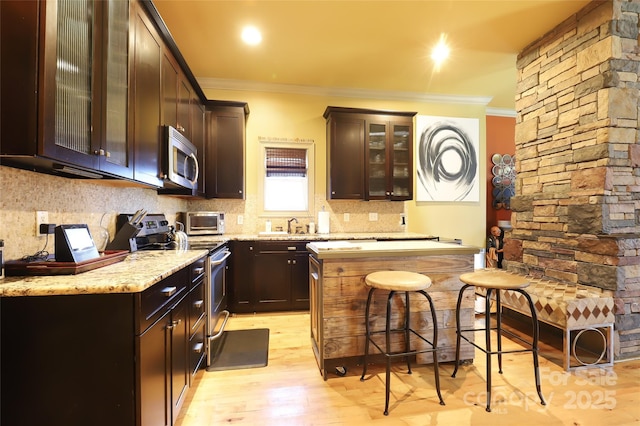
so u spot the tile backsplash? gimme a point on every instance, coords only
(97, 203)
(67, 201)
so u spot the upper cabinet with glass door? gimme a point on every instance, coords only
(389, 158)
(77, 54)
(373, 151)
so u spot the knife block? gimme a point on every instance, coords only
(124, 238)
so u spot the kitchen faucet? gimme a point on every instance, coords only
(289, 224)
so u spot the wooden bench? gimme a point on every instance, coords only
(574, 308)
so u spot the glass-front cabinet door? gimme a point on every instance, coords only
(402, 162)
(377, 161)
(85, 82)
(389, 161)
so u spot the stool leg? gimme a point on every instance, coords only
(499, 329)
(487, 327)
(534, 345)
(388, 351)
(460, 293)
(435, 345)
(407, 336)
(367, 333)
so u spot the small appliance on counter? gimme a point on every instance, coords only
(73, 243)
(203, 223)
(142, 231)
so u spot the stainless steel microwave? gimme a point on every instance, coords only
(180, 162)
(203, 223)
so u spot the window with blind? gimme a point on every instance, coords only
(287, 179)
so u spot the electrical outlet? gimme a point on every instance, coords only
(373, 217)
(41, 217)
(240, 219)
(346, 217)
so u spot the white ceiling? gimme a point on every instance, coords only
(380, 46)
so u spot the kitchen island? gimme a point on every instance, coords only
(338, 296)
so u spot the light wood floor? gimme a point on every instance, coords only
(291, 391)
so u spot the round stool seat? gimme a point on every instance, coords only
(398, 281)
(499, 280)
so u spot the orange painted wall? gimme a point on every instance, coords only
(500, 140)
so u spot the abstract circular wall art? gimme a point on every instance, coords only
(447, 159)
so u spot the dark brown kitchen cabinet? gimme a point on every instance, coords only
(184, 107)
(197, 319)
(270, 276)
(170, 72)
(241, 288)
(65, 86)
(225, 152)
(345, 156)
(198, 139)
(281, 276)
(370, 154)
(146, 99)
(177, 96)
(99, 359)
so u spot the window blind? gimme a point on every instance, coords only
(286, 162)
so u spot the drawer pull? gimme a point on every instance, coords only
(169, 291)
(198, 270)
(197, 348)
(198, 304)
(291, 248)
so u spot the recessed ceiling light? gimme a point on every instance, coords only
(251, 36)
(441, 51)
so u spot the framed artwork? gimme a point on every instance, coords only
(447, 159)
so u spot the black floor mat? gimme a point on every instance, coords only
(239, 349)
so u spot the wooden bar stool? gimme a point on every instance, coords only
(406, 282)
(492, 280)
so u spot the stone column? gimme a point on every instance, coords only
(576, 213)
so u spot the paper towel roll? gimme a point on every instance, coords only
(323, 222)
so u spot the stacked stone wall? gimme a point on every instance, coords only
(576, 213)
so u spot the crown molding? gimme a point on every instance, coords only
(253, 86)
(501, 112)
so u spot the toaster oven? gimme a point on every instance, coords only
(203, 223)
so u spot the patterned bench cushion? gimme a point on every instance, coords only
(564, 305)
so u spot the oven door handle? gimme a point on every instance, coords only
(220, 261)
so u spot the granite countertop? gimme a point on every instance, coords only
(364, 249)
(313, 237)
(139, 271)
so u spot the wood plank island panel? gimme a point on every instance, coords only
(339, 297)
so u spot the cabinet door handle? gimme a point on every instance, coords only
(197, 348)
(288, 261)
(175, 323)
(295, 262)
(169, 291)
(198, 304)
